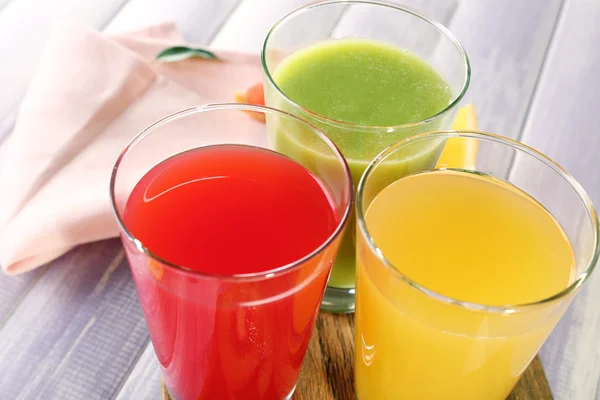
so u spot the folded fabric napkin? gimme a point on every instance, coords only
(90, 96)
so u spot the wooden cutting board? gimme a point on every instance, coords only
(328, 374)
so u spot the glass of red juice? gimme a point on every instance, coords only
(230, 245)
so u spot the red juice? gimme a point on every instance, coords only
(222, 211)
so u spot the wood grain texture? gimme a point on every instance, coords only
(563, 125)
(198, 21)
(144, 381)
(13, 289)
(506, 42)
(399, 28)
(252, 19)
(331, 351)
(327, 372)
(77, 333)
(248, 25)
(3, 3)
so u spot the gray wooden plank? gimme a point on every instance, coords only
(78, 332)
(402, 29)
(24, 27)
(144, 381)
(506, 42)
(562, 124)
(198, 21)
(7, 124)
(14, 289)
(246, 28)
(250, 22)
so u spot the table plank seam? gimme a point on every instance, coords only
(126, 375)
(114, 264)
(25, 293)
(76, 342)
(453, 15)
(3, 6)
(223, 23)
(534, 92)
(8, 122)
(538, 80)
(114, 14)
(338, 19)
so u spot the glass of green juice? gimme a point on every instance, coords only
(367, 74)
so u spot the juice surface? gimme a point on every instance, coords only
(363, 82)
(229, 210)
(360, 82)
(472, 238)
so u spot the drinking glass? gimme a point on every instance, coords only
(219, 335)
(386, 23)
(413, 342)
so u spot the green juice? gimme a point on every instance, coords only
(365, 90)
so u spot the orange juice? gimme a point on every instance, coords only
(471, 238)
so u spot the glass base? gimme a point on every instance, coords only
(167, 396)
(338, 300)
(289, 396)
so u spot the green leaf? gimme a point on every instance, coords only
(179, 53)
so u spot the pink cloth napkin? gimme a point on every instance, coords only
(90, 96)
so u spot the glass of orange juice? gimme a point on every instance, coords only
(463, 270)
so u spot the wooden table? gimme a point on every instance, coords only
(328, 370)
(74, 329)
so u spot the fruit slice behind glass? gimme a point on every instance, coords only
(461, 152)
(255, 94)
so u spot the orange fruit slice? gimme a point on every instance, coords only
(461, 152)
(255, 94)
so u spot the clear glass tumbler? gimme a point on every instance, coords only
(413, 341)
(374, 21)
(223, 335)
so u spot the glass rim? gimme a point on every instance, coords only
(229, 107)
(436, 24)
(474, 134)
